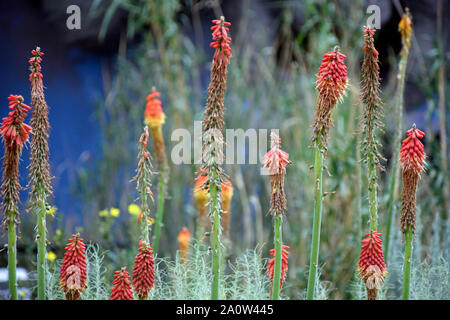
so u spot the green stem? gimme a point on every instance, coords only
(395, 173)
(407, 263)
(144, 219)
(318, 197)
(215, 240)
(12, 253)
(41, 224)
(373, 203)
(159, 218)
(278, 241)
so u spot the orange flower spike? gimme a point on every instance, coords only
(154, 115)
(284, 264)
(412, 154)
(183, 238)
(13, 129)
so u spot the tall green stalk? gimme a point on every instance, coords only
(407, 262)
(395, 173)
(373, 202)
(278, 240)
(215, 240)
(12, 254)
(318, 198)
(42, 242)
(159, 217)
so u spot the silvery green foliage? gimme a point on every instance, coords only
(431, 281)
(160, 289)
(97, 284)
(249, 279)
(52, 287)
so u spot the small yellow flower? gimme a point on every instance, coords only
(114, 212)
(51, 256)
(58, 232)
(22, 294)
(103, 213)
(134, 209)
(52, 210)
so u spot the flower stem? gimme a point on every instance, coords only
(159, 218)
(215, 240)
(12, 252)
(41, 226)
(278, 241)
(407, 263)
(314, 259)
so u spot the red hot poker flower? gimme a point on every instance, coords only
(284, 265)
(122, 286)
(144, 271)
(73, 269)
(154, 115)
(371, 265)
(221, 40)
(370, 33)
(412, 153)
(13, 128)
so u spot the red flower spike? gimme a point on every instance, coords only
(144, 271)
(221, 40)
(284, 265)
(122, 286)
(332, 77)
(13, 128)
(412, 154)
(73, 269)
(371, 265)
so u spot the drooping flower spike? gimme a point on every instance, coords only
(13, 128)
(284, 265)
(72, 277)
(122, 286)
(143, 271)
(371, 265)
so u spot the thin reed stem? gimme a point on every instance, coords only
(373, 202)
(318, 198)
(160, 214)
(278, 242)
(12, 253)
(407, 262)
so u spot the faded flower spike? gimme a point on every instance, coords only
(13, 129)
(143, 271)
(284, 265)
(73, 269)
(122, 286)
(330, 84)
(405, 28)
(371, 265)
(276, 161)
